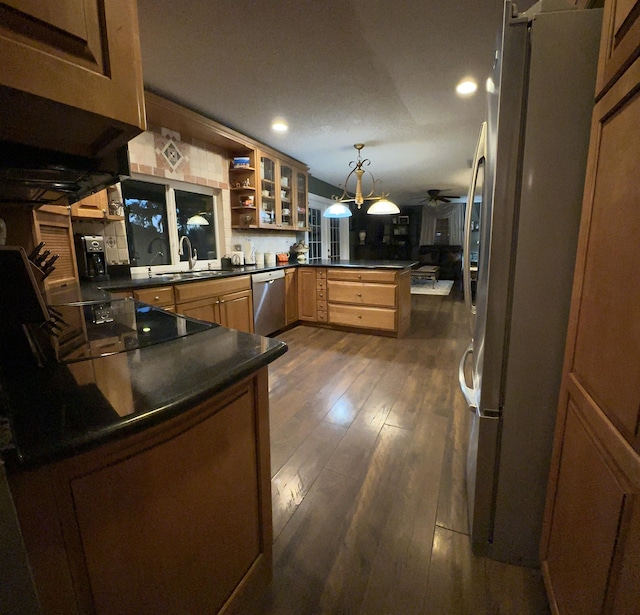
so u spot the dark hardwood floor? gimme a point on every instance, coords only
(368, 448)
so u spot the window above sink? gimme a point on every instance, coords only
(158, 212)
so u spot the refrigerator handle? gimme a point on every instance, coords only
(478, 159)
(467, 391)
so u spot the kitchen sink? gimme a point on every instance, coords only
(186, 275)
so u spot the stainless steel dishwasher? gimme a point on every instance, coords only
(268, 301)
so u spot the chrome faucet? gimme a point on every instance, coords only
(193, 253)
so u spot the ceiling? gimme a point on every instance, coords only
(340, 72)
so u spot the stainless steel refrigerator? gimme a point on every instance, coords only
(522, 225)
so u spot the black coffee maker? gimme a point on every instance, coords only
(92, 264)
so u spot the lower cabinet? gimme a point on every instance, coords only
(173, 520)
(227, 302)
(372, 299)
(291, 295)
(161, 296)
(307, 305)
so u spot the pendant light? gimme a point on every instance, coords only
(382, 205)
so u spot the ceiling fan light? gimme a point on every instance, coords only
(383, 207)
(337, 210)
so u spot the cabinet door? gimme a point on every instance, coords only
(286, 196)
(291, 295)
(54, 229)
(268, 192)
(620, 41)
(301, 199)
(67, 64)
(307, 301)
(208, 310)
(236, 311)
(93, 206)
(582, 539)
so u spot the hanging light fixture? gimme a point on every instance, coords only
(382, 205)
(198, 220)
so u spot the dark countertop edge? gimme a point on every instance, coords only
(20, 461)
(124, 283)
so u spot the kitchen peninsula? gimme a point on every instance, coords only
(140, 474)
(368, 296)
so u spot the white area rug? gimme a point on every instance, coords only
(426, 287)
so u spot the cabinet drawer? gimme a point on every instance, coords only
(192, 291)
(383, 295)
(321, 273)
(362, 275)
(162, 295)
(321, 283)
(321, 294)
(322, 317)
(321, 306)
(356, 316)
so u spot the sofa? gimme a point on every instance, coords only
(448, 258)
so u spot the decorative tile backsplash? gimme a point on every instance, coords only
(161, 152)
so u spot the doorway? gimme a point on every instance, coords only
(328, 237)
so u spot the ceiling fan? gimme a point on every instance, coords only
(434, 197)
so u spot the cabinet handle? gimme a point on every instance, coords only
(359, 294)
(359, 315)
(156, 298)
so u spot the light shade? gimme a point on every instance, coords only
(382, 207)
(198, 220)
(337, 210)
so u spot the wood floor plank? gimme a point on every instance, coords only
(296, 477)
(452, 501)
(457, 580)
(347, 582)
(308, 545)
(514, 590)
(398, 581)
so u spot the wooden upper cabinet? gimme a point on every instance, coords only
(70, 64)
(620, 41)
(92, 206)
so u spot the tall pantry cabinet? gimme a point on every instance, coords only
(590, 549)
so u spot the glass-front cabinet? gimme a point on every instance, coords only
(286, 196)
(270, 195)
(268, 188)
(301, 201)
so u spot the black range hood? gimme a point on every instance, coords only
(34, 176)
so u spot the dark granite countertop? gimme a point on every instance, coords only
(161, 279)
(61, 409)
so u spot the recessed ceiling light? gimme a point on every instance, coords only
(466, 87)
(279, 125)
